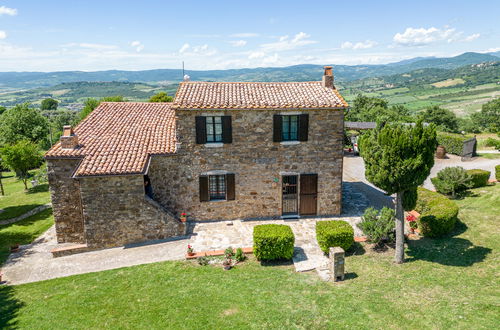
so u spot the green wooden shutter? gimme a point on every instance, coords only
(227, 130)
(204, 195)
(201, 130)
(303, 127)
(230, 187)
(277, 128)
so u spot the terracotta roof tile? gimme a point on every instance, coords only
(256, 95)
(118, 138)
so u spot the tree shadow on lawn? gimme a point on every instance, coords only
(38, 189)
(448, 250)
(11, 212)
(9, 307)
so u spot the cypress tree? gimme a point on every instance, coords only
(398, 158)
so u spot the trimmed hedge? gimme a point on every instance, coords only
(453, 143)
(497, 172)
(479, 177)
(334, 233)
(272, 242)
(438, 214)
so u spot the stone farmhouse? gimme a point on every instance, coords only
(220, 151)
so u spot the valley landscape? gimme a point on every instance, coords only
(461, 83)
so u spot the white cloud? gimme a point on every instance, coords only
(285, 43)
(238, 43)
(3, 34)
(422, 36)
(472, 37)
(184, 48)
(90, 46)
(244, 35)
(8, 11)
(201, 50)
(358, 45)
(254, 55)
(137, 45)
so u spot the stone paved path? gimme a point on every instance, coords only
(221, 235)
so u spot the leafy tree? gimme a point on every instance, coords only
(2, 109)
(49, 104)
(22, 122)
(398, 158)
(451, 180)
(20, 158)
(90, 104)
(161, 97)
(444, 119)
(366, 108)
(467, 125)
(489, 117)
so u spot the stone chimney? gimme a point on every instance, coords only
(328, 78)
(69, 140)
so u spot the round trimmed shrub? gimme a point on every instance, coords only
(479, 177)
(273, 242)
(497, 172)
(334, 233)
(438, 214)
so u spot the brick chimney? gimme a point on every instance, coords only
(69, 140)
(328, 78)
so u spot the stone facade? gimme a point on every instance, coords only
(66, 202)
(256, 161)
(117, 212)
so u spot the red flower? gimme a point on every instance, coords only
(410, 218)
(183, 214)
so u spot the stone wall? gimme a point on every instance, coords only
(257, 162)
(66, 202)
(117, 212)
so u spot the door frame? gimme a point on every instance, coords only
(298, 199)
(290, 214)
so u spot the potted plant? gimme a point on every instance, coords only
(190, 251)
(183, 217)
(227, 263)
(412, 221)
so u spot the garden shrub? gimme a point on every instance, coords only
(239, 256)
(479, 177)
(378, 226)
(492, 142)
(497, 172)
(334, 233)
(272, 242)
(453, 143)
(438, 214)
(451, 180)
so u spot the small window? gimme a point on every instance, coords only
(217, 187)
(290, 128)
(214, 129)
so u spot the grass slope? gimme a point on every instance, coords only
(23, 232)
(17, 201)
(447, 283)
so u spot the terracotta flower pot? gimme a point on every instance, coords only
(191, 254)
(183, 219)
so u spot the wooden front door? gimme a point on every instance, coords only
(308, 194)
(290, 195)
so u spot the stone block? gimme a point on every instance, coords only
(337, 260)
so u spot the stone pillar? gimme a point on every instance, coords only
(337, 256)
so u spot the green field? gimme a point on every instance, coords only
(450, 282)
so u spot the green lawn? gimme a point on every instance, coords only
(23, 232)
(446, 283)
(17, 201)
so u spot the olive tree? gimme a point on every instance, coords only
(20, 158)
(398, 158)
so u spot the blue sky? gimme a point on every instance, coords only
(136, 35)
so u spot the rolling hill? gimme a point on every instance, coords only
(305, 72)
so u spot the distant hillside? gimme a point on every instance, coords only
(305, 72)
(72, 95)
(462, 90)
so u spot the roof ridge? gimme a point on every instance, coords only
(250, 82)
